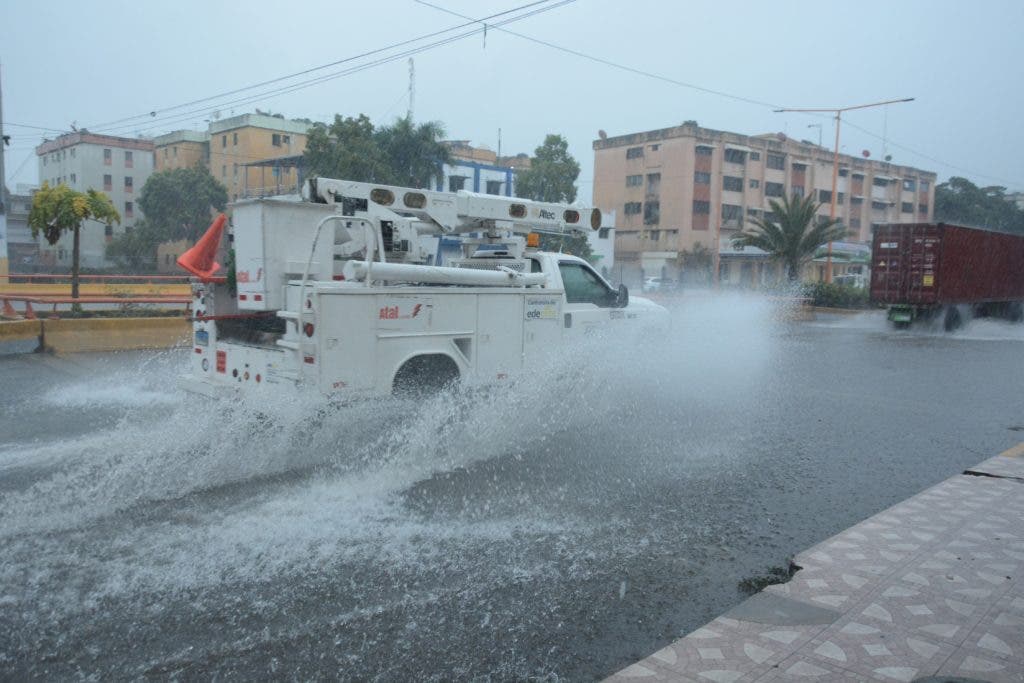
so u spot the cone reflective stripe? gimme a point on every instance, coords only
(200, 260)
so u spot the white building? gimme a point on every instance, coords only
(118, 167)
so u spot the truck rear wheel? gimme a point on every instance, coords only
(425, 375)
(953, 320)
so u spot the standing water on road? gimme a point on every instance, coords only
(608, 502)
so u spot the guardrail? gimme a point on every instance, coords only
(8, 299)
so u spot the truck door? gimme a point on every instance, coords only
(588, 299)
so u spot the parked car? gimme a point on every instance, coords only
(659, 284)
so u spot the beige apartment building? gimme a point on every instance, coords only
(181, 149)
(676, 188)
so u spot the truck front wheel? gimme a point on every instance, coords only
(425, 375)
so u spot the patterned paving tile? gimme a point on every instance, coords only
(974, 664)
(919, 612)
(1000, 634)
(881, 654)
(730, 650)
(1001, 466)
(799, 667)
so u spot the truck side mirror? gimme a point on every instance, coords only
(622, 298)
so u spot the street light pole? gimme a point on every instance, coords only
(835, 159)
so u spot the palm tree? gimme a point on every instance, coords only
(414, 152)
(793, 233)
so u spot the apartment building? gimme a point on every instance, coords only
(239, 147)
(676, 188)
(181, 149)
(116, 166)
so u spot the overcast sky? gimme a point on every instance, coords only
(95, 63)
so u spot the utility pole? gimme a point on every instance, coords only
(412, 88)
(4, 263)
(835, 159)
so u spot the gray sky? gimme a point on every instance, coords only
(93, 63)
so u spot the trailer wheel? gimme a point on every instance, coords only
(953, 319)
(425, 375)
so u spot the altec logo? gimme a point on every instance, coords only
(393, 313)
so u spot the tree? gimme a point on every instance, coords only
(135, 250)
(551, 177)
(696, 263)
(552, 173)
(58, 209)
(958, 200)
(413, 154)
(353, 149)
(178, 203)
(792, 233)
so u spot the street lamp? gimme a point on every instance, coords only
(835, 159)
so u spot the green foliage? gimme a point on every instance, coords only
(353, 149)
(577, 245)
(793, 234)
(696, 264)
(831, 295)
(135, 250)
(178, 202)
(57, 209)
(960, 201)
(552, 174)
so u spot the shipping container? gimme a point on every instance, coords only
(921, 270)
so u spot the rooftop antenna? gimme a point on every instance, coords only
(412, 88)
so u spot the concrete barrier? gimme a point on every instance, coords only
(19, 330)
(78, 335)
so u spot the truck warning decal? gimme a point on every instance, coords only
(545, 308)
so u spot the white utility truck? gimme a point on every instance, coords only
(345, 291)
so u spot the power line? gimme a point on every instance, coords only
(152, 114)
(692, 86)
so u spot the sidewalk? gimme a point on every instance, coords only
(931, 587)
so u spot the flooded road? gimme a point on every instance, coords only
(610, 502)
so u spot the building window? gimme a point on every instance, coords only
(755, 156)
(129, 210)
(632, 208)
(879, 206)
(72, 152)
(702, 151)
(907, 207)
(286, 139)
(701, 207)
(234, 171)
(731, 212)
(880, 182)
(825, 196)
(108, 157)
(655, 148)
(127, 183)
(74, 178)
(924, 186)
(108, 230)
(732, 183)
(603, 233)
(165, 152)
(175, 151)
(777, 161)
(653, 183)
(701, 178)
(655, 235)
(652, 213)
(44, 161)
(754, 213)
(108, 182)
(856, 201)
(456, 183)
(275, 139)
(634, 152)
(843, 172)
(909, 184)
(754, 184)
(128, 161)
(234, 139)
(855, 223)
(774, 190)
(922, 209)
(735, 156)
(493, 187)
(634, 180)
(798, 190)
(224, 171)
(223, 141)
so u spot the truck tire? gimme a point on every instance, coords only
(952, 320)
(425, 375)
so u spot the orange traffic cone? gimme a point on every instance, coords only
(9, 311)
(29, 313)
(200, 260)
